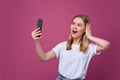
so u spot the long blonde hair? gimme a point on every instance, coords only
(84, 40)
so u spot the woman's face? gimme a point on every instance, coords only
(77, 27)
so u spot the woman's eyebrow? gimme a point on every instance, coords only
(77, 23)
(80, 23)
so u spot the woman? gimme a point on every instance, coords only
(75, 54)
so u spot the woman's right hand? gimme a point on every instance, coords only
(36, 34)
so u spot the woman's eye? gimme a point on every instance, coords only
(73, 23)
(79, 25)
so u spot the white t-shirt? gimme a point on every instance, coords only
(74, 63)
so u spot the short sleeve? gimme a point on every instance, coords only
(92, 49)
(58, 48)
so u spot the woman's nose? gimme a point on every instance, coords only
(75, 26)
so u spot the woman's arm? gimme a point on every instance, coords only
(42, 55)
(102, 43)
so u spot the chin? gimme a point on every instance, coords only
(73, 36)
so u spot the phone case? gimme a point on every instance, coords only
(39, 23)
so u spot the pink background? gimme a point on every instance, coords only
(18, 59)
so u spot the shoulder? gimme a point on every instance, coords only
(92, 48)
(91, 45)
(62, 43)
(60, 46)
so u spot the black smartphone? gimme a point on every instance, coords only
(39, 23)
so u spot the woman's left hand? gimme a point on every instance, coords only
(88, 31)
(102, 44)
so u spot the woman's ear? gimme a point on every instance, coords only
(84, 32)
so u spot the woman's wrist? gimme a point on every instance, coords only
(36, 40)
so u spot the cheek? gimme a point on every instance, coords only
(81, 30)
(71, 26)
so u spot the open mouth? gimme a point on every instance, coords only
(74, 31)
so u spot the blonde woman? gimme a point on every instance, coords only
(75, 54)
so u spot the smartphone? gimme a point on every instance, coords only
(39, 23)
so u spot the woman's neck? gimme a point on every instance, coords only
(76, 41)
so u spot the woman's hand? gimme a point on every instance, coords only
(88, 31)
(102, 44)
(36, 34)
